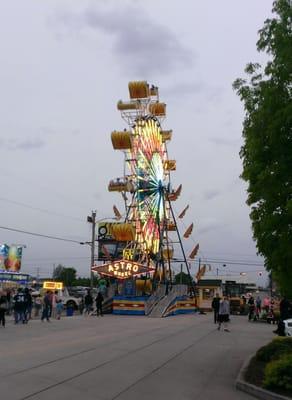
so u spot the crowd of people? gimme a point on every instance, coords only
(261, 309)
(24, 306)
(257, 309)
(21, 304)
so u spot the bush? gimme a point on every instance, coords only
(274, 350)
(278, 374)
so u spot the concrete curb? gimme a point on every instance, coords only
(254, 390)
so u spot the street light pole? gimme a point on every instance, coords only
(93, 222)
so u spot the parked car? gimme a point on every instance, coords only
(69, 300)
(288, 327)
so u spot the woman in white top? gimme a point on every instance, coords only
(224, 312)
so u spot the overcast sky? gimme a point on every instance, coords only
(64, 66)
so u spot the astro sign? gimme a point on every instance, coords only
(122, 269)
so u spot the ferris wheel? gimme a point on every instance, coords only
(146, 184)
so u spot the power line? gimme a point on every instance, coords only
(219, 261)
(239, 262)
(38, 259)
(39, 234)
(210, 261)
(41, 186)
(40, 209)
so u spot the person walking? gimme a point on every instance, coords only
(215, 307)
(59, 308)
(266, 304)
(81, 306)
(98, 302)
(53, 308)
(285, 308)
(258, 303)
(251, 305)
(224, 312)
(27, 305)
(88, 302)
(19, 306)
(9, 298)
(47, 306)
(3, 307)
(37, 305)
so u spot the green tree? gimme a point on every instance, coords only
(267, 148)
(58, 271)
(85, 281)
(183, 278)
(65, 275)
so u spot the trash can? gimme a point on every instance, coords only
(69, 311)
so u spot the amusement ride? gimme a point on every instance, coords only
(143, 240)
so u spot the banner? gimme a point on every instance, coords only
(12, 277)
(10, 257)
(3, 255)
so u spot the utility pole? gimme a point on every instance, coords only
(91, 219)
(181, 271)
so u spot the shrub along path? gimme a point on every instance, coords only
(271, 367)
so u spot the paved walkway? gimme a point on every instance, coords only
(126, 358)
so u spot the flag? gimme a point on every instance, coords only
(183, 213)
(117, 213)
(194, 252)
(188, 231)
(178, 190)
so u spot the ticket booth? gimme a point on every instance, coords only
(207, 290)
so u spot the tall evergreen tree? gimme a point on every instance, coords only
(267, 148)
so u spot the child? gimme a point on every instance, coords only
(59, 308)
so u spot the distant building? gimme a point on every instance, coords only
(207, 289)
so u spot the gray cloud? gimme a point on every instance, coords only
(209, 225)
(205, 93)
(27, 144)
(141, 45)
(184, 88)
(214, 94)
(211, 194)
(224, 141)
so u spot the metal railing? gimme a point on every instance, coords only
(154, 299)
(161, 305)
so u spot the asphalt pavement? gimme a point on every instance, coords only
(127, 358)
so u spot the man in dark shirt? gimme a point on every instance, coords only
(19, 306)
(251, 306)
(98, 302)
(285, 313)
(88, 302)
(47, 306)
(27, 304)
(215, 307)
